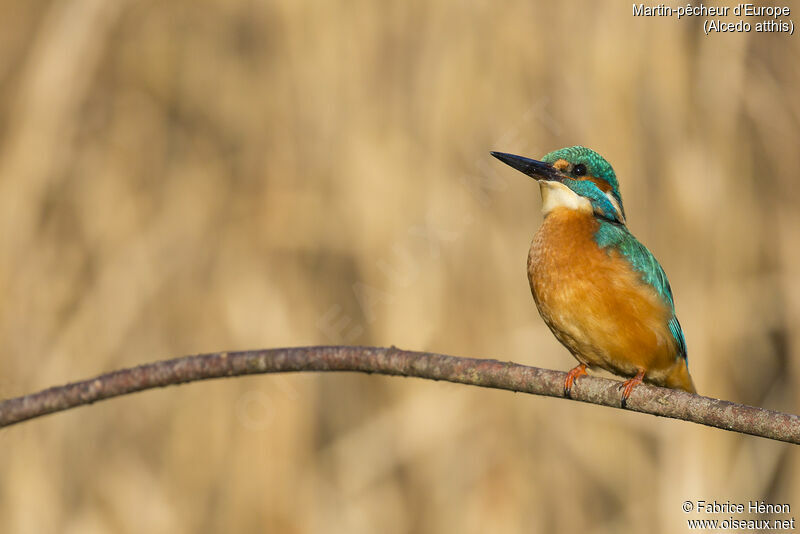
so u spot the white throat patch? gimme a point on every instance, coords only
(615, 204)
(557, 195)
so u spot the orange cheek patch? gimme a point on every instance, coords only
(604, 186)
(561, 164)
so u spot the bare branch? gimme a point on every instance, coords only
(393, 361)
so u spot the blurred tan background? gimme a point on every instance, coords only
(198, 175)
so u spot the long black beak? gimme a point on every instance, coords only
(538, 170)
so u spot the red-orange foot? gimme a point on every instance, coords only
(628, 386)
(571, 376)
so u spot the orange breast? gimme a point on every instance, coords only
(595, 303)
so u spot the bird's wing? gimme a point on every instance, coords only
(642, 260)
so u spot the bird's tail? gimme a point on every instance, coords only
(679, 377)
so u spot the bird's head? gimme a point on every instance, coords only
(575, 177)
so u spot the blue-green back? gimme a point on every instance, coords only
(617, 237)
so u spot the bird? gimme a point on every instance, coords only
(601, 292)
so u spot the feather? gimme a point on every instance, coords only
(617, 237)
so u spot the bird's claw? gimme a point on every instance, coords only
(572, 375)
(628, 385)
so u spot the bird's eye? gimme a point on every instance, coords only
(579, 170)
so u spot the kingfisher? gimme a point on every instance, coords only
(600, 291)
